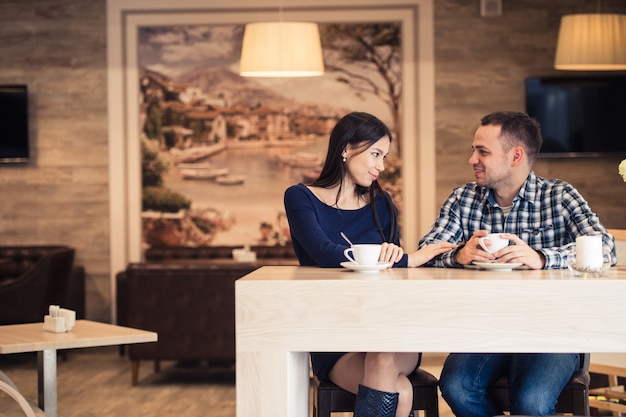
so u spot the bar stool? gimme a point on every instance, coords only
(330, 398)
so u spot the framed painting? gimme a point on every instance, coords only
(219, 149)
(232, 144)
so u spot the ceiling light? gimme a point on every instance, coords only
(592, 42)
(281, 49)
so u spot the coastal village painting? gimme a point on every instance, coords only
(218, 149)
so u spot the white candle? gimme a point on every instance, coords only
(589, 251)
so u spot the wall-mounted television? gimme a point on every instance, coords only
(14, 123)
(579, 115)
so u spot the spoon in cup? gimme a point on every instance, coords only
(343, 235)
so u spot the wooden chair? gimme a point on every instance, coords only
(515, 415)
(610, 370)
(574, 398)
(28, 408)
(329, 398)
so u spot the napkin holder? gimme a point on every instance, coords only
(59, 320)
(244, 254)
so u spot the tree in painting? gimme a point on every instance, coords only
(375, 45)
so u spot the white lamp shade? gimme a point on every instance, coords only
(281, 49)
(591, 42)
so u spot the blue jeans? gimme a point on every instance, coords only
(536, 380)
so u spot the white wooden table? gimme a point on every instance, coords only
(17, 338)
(283, 313)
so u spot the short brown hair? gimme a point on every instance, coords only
(517, 128)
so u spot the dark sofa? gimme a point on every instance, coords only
(32, 277)
(187, 296)
(265, 254)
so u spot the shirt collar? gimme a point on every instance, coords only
(527, 192)
(529, 189)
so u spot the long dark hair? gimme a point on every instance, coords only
(359, 130)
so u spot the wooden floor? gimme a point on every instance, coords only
(95, 382)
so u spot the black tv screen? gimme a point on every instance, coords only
(579, 116)
(13, 124)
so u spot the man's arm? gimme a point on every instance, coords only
(447, 228)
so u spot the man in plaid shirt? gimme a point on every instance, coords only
(541, 218)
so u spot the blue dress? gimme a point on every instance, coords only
(315, 228)
(315, 232)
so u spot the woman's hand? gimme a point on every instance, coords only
(428, 252)
(390, 253)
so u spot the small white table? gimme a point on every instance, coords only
(31, 337)
(283, 313)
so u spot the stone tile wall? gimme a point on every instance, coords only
(58, 48)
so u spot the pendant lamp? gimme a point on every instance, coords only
(591, 42)
(281, 49)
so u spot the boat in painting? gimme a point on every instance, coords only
(203, 174)
(194, 165)
(301, 160)
(230, 179)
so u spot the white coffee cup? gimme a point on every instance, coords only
(496, 241)
(364, 254)
(589, 251)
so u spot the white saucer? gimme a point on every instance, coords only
(366, 268)
(496, 266)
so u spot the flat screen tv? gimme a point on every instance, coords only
(13, 124)
(579, 115)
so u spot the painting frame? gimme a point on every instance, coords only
(417, 127)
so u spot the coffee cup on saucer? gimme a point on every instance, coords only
(363, 254)
(496, 242)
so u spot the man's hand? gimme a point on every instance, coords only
(517, 251)
(472, 251)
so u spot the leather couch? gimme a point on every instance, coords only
(264, 253)
(32, 277)
(187, 296)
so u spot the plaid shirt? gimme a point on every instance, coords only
(547, 214)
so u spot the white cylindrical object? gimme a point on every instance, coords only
(589, 251)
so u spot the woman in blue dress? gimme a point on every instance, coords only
(346, 197)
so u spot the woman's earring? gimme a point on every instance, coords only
(343, 158)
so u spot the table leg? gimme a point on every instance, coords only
(272, 384)
(47, 381)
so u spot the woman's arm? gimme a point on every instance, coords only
(306, 230)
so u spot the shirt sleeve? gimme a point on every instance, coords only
(306, 230)
(580, 221)
(404, 261)
(447, 228)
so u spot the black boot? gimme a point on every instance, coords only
(373, 403)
